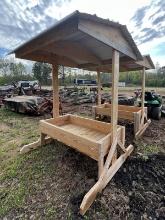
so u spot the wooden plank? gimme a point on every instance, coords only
(125, 107)
(143, 94)
(73, 50)
(90, 123)
(90, 197)
(115, 80)
(99, 88)
(101, 160)
(45, 56)
(42, 138)
(32, 146)
(118, 163)
(121, 114)
(61, 120)
(106, 65)
(108, 35)
(136, 122)
(142, 129)
(105, 143)
(55, 91)
(40, 56)
(83, 131)
(146, 62)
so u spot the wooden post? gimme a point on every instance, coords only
(143, 89)
(55, 91)
(114, 101)
(99, 88)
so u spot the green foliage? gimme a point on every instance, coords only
(41, 72)
(130, 78)
(12, 72)
(156, 80)
(133, 78)
(17, 69)
(8, 79)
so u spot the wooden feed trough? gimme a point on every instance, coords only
(130, 113)
(137, 115)
(88, 42)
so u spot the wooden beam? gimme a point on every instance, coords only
(40, 56)
(146, 62)
(114, 102)
(106, 65)
(74, 50)
(143, 88)
(49, 57)
(99, 88)
(55, 91)
(66, 61)
(142, 130)
(32, 146)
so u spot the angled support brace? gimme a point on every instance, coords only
(32, 146)
(109, 170)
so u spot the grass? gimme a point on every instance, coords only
(148, 148)
(24, 179)
(16, 130)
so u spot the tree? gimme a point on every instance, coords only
(4, 65)
(11, 71)
(41, 72)
(17, 69)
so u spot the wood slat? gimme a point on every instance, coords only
(93, 124)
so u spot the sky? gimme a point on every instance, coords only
(145, 19)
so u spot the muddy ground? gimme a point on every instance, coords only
(55, 178)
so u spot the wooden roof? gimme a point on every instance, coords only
(127, 65)
(83, 41)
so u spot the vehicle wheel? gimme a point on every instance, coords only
(156, 113)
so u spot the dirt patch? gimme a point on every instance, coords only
(155, 134)
(136, 191)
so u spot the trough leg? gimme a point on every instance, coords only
(32, 146)
(141, 123)
(42, 139)
(100, 166)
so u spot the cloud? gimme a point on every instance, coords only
(3, 52)
(158, 19)
(139, 15)
(20, 20)
(150, 34)
(150, 21)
